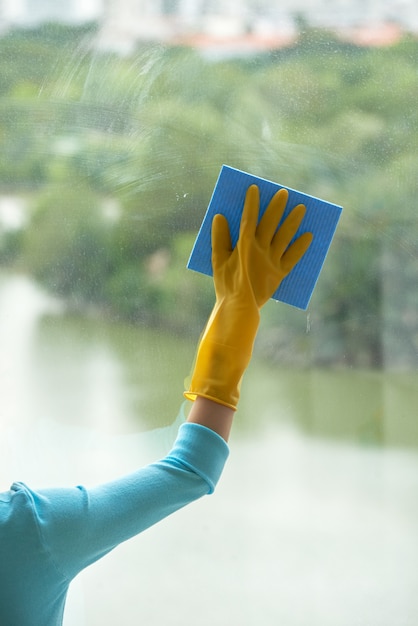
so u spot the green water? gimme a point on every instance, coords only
(371, 408)
(83, 370)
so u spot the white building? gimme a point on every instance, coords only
(124, 22)
(127, 21)
(33, 12)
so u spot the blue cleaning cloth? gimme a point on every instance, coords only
(321, 219)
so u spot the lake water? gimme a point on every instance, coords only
(314, 522)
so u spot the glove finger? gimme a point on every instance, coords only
(271, 218)
(295, 252)
(221, 241)
(250, 213)
(287, 231)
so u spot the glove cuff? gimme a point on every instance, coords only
(223, 355)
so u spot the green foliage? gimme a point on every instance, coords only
(132, 296)
(32, 56)
(66, 245)
(10, 246)
(150, 132)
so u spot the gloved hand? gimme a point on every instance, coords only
(245, 278)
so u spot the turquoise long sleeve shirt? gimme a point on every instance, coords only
(48, 536)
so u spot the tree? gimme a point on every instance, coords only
(66, 244)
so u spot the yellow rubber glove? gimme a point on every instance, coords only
(245, 278)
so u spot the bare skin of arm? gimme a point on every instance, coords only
(215, 416)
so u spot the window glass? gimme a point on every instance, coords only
(115, 118)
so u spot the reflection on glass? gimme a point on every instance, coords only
(110, 148)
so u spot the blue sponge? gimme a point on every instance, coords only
(321, 219)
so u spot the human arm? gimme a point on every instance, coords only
(213, 415)
(79, 525)
(87, 523)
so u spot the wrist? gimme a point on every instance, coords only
(213, 415)
(233, 324)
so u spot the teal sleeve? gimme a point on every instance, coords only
(79, 525)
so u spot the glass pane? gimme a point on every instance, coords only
(115, 119)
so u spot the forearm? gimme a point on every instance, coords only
(213, 415)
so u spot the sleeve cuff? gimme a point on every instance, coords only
(201, 450)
